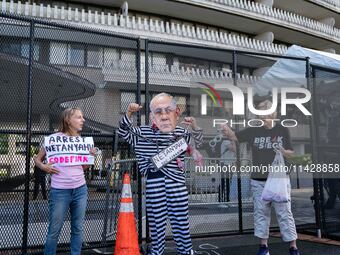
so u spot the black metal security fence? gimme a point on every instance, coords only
(222, 202)
(46, 67)
(326, 93)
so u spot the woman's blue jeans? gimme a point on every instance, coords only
(60, 200)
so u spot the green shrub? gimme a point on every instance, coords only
(303, 160)
(3, 143)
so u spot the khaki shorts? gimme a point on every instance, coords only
(262, 213)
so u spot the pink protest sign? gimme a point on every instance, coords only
(68, 150)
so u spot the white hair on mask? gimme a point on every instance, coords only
(163, 94)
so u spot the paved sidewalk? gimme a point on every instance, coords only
(248, 245)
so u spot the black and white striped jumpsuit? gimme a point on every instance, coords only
(166, 192)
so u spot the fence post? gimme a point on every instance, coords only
(147, 102)
(28, 140)
(138, 92)
(317, 184)
(238, 160)
(147, 96)
(139, 177)
(110, 171)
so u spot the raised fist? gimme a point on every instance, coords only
(132, 108)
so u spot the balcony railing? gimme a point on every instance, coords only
(145, 27)
(173, 75)
(274, 15)
(331, 4)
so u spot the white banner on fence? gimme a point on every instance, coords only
(68, 150)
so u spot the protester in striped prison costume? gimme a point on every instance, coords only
(166, 193)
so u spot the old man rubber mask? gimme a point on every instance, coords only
(164, 112)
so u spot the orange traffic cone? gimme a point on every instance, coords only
(126, 239)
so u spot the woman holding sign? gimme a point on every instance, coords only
(68, 186)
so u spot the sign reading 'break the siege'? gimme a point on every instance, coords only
(68, 150)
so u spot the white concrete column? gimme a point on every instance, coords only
(83, 15)
(69, 14)
(27, 8)
(89, 16)
(41, 11)
(48, 11)
(109, 19)
(19, 7)
(62, 12)
(3, 6)
(96, 18)
(115, 20)
(102, 18)
(124, 9)
(11, 7)
(76, 14)
(34, 10)
(55, 12)
(167, 27)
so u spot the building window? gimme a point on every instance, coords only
(192, 63)
(58, 53)
(216, 66)
(128, 56)
(25, 51)
(94, 56)
(126, 98)
(20, 49)
(169, 59)
(182, 103)
(11, 48)
(111, 57)
(158, 59)
(76, 56)
(63, 54)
